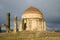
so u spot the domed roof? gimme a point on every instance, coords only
(32, 12)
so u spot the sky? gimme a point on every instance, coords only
(49, 8)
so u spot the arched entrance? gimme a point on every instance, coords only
(24, 24)
(24, 28)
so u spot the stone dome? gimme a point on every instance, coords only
(32, 12)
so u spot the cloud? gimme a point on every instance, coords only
(1, 7)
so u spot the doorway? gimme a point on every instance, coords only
(24, 27)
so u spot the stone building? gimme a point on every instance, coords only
(32, 20)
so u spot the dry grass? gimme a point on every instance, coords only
(25, 35)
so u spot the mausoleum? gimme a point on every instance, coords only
(32, 20)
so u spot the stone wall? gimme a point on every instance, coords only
(33, 24)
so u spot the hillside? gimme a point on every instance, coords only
(25, 35)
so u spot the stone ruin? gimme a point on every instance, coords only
(32, 20)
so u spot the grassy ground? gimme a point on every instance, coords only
(25, 35)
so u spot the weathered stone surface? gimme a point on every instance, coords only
(15, 23)
(8, 20)
(32, 20)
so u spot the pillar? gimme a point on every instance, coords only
(44, 25)
(29, 26)
(15, 23)
(7, 29)
(8, 20)
(40, 24)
